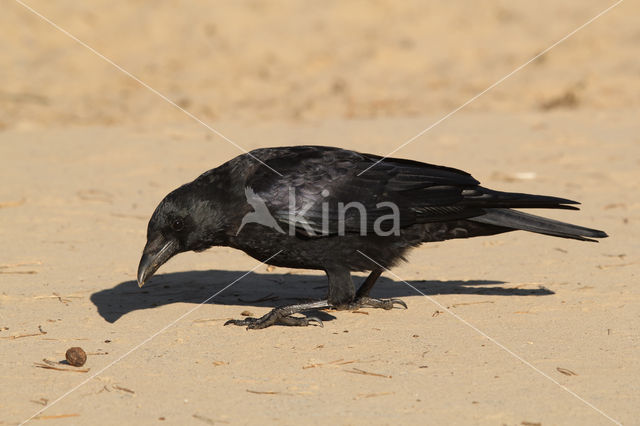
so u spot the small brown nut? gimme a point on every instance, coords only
(76, 356)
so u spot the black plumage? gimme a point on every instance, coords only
(338, 211)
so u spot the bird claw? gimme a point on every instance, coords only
(245, 321)
(399, 302)
(316, 320)
(274, 318)
(385, 304)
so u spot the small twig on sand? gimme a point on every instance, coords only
(51, 365)
(372, 395)
(58, 416)
(122, 389)
(366, 373)
(264, 392)
(19, 336)
(566, 371)
(13, 265)
(208, 420)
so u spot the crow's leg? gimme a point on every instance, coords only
(282, 316)
(368, 284)
(362, 296)
(341, 289)
(341, 296)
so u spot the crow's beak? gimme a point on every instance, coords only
(155, 254)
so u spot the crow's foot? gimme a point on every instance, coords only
(283, 316)
(275, 318)
(369, 302)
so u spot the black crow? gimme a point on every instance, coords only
(337, 211)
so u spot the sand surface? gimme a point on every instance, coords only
(511, 329)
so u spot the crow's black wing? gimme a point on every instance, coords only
(329, 190)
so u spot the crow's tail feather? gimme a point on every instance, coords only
(527, 222)
(483, 197)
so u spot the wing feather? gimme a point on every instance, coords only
(323, 190)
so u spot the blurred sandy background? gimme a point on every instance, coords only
(297, 60)
(86, 153)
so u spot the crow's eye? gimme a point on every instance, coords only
(177, 224)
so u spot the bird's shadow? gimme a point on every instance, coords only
(269, 290)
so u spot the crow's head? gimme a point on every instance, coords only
(184, 220)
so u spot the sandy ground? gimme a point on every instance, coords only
(86, 154)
